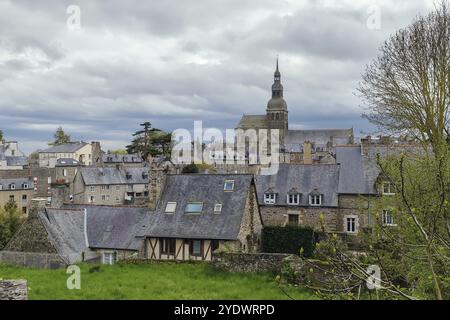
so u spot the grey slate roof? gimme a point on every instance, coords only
(16, 160)
(252, 121)
(18, 182)
(358, 173)
(65, 148)
(306, 178)
(65, 229)
(207, 225)
(114, 227)
(121, 158)
(112, 175)
(319, 137)
(67, 162)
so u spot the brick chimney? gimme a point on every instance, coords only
(96, 154)
(307, 153)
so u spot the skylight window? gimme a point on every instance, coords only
(194, 207)
(218, 208)
(171, 207)
(229, 185)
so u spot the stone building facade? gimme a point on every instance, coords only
(19, 190)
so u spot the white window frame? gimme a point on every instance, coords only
(169, 206)
(295, 197)
(25, 185)
(314, 203)
(355, 224)
(12, 186)
(194, 212)
(92, 188)
(217, 208)
(228, 182)
(384, 218)
(389, 193)
(270, 198)
(64, 172)
(111, 257)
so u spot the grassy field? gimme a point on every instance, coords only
(151, 281)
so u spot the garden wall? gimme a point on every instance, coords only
(32, 259)
(13, 290)
(253, 262)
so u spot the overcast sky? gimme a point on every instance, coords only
(172, 62)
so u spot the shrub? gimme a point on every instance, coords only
(289, 239)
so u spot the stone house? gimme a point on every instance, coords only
(11, 158)
(200, 213)
(85, 153)
(111, 185)
(20, 190)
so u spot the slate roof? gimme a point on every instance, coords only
(67, 162)
(19, 182)
(319, 137)
(65, 148)
(65, 229)
(16, 161)
(206, 225)
(252, 121)
(306, 178)
(358, 173)
(121, 158)
(111, 175)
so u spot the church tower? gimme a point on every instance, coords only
(277, 113)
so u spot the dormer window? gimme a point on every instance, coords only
(194, 208)
(128, 175)
(293, 199)
(217, 208)
(228, 185)
(387, 189)
(270, 198)
(25, 185)
(315, 199)
(12, 186)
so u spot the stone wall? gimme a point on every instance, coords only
(13, 290)
(32, 259)
(250, 262)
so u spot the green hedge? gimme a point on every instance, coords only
(289, 239)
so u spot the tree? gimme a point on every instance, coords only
(118, 151)
(10, 221)
(60, 137)
(150, 142)
(407, 88)
(1, 135)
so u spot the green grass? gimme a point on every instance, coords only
(152, 281)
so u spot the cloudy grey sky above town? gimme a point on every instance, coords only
(172, 62)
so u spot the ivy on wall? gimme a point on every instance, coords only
(289, 239)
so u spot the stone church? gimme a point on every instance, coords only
(296, 146)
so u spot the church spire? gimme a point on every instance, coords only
(277, 87)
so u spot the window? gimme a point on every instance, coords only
(91, 199)
(168, 246)
(387, 218)
(270, 198)
(117, 188)
(49, 180)
(12, 186)
(293, 219)
(194, 207)
(315, 199)
(24, 198)
(146, 186)
(388, 189)
(64, 172)
(109, 258)
(293, 199)
(218, 208)
(25, 185)
(92, 188)
(11, 197)
(229, 185)
(103, 197)
(171, 207)
(103, 187)
(24, 210)
(351, 225)
(195, 249)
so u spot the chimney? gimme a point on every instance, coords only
(365, 145)
(157, 181)
(307, 153)
(96, 154)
